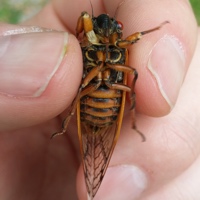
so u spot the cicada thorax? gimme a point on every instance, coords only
(101, 107)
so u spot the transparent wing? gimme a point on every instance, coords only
(97, 150)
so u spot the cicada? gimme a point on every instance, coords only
(101, 97)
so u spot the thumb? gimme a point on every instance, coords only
(161, 58)
(38, 74)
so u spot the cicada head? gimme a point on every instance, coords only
(105, 26)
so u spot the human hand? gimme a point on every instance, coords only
(32, 166)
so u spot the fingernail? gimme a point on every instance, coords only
(167, 65)
(28, 61)
(122, 182)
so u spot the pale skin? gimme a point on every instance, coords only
(34, 167)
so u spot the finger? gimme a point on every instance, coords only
(162, 57)
(177, 165)
(183, 187)
(120, 182)
(48, 18)
(40, 74)
(69, 12)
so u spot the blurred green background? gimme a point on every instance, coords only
(14, 11)
(196, 7)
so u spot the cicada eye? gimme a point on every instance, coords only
(120, 25)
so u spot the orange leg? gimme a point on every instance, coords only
(114, 86)
(137, 36)
(85, 24)
(125, 69)
(84, 89)
(121, 68)
(82, 92)
(95, 71)
(70, 114)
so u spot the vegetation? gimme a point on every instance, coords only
(196, 7)
(9, 13)
(14, 11)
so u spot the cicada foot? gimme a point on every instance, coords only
(64, 129)
(135, 127)
(140, 133)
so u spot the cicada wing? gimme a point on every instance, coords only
(97, 145)
(97, 150)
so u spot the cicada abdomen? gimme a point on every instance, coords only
(101, 97)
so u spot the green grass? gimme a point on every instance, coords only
(9, 13)
(15, 12)
(196, 7)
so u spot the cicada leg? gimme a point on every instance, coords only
(82, 92)
(84, 89)
(95, 71)
(132, 97)
(85, 25)
(137, 36)
(70, 114)
(117, 67)
(125, 69)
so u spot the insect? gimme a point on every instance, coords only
(101, 97)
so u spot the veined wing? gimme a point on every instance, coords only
(97, 150)
(97, 145)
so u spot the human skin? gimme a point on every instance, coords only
(165, 167)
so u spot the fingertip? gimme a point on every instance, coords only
(69, 12)
(42, 86)
(80, 184)
(120, 182)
